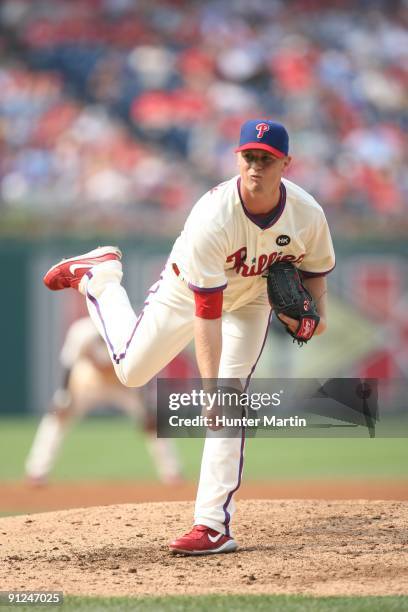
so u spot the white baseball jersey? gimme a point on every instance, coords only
(222, 247)
(83, 340)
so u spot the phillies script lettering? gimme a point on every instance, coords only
(261, 264)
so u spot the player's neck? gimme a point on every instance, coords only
(261, 202)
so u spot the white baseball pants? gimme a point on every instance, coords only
(141, 346)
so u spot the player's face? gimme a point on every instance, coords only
(261, 171)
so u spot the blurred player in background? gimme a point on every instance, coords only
(89, 382)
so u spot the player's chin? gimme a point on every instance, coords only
(256, 186)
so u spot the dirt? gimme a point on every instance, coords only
(317, 547)
(20, 497)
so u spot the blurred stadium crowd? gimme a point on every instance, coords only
(128, 110)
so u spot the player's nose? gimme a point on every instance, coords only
(259, 160)
(257, 165)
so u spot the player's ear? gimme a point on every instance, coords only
(287, 162)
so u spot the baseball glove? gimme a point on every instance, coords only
(288, 296)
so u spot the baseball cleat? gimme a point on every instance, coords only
(202, 540)
(69, 272)
(174, 480)
(36, 482)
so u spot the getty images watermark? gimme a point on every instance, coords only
(334, 407)
(224, 398)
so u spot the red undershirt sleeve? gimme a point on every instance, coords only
(208, 305)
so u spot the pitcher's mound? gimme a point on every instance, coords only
(314, 547)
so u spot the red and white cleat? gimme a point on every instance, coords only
(202, 540)
(69, 272)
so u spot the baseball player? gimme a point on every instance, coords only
(88, 382)
(213, 290)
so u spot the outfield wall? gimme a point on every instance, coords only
(368, 334)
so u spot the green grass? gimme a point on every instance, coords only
(111, 448)
(320, 458)
(96, 448)
(228, 603)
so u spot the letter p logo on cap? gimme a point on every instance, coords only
(261, 128)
